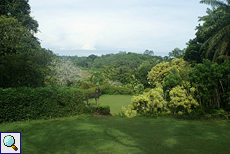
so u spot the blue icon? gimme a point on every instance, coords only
(9, 141)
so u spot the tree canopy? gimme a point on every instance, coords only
(22, 60)
(212, 38)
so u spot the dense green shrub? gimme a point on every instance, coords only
(110, 90)
(107, 89)
(139, 89)
(49, 102)
(103, 109)
(98, 109)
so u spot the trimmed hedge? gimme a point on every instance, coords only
(40, 103)
(98, 109)
(110, 90)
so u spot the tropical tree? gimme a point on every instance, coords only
(217, 23)
(142, 71)
(15, 38)
(22, 61)
(176, 53)
(161, 70)
(149, 52)
(20, 10)
(212, 84)
(192, 52)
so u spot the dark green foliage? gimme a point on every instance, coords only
(212, 38)
(148, 52)
(143, 70)
(103, 109)
(15, 38)
(97, 78)
(98, 109)
(107, 89)
(211, 42)
(118, 67)
(85, 85)
(22, 61)
(26, 103)
(20, 10)
(172, 79)
(212, 83)
(176, 53)
(192, 52)
(18, 70)
(110, 90)
(217, 25)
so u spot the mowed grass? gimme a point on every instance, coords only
(114, 101)
(116, 135)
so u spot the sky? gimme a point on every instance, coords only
(85, 27)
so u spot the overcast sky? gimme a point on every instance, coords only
(84, 27)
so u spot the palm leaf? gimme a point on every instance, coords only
(218, 43)
(214, 3)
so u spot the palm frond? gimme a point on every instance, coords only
(215, 3)
(209, 2)
(218, 43)
(223, 58)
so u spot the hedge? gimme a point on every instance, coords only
(98, 109)
(40, 103)
(110, 90)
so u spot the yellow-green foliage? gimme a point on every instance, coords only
(181, 100)
(150, 103)
(129, 112)
(180, 64)
(158, 72)
(153, 103)
(156, 99)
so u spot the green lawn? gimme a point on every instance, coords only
(116, 135)
(87, 134)
(114, 101)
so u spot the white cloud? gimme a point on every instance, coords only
(130, 25)
(88, 47)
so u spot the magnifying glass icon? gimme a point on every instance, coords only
(9, 141)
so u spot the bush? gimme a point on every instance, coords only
(147, 90)
(151, 103)
(221, 114)
(138, 89)
(110, 90)
(103, 109)
(40, 103)
(98, 109)
(181, 101)
(85, 85)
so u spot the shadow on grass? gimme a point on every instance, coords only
(86, 134)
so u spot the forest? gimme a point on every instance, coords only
(193, 82)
